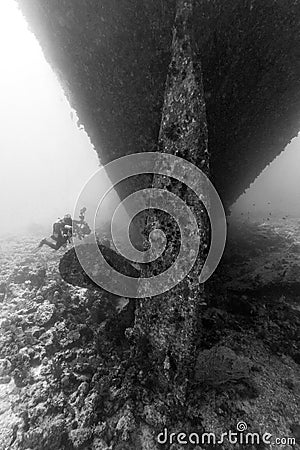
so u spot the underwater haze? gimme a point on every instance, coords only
(276, 192)
(46, 158)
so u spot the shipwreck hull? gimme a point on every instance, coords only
(113, 58)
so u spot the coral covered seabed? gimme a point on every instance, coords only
(66, 377)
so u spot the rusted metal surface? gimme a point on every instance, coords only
(113, 58)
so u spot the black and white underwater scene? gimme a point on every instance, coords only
(150, 225)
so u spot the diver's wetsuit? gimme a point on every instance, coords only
(62, 230)
(60, 241)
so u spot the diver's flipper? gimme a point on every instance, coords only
(39, 246)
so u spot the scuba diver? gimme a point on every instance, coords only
(64, 229)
